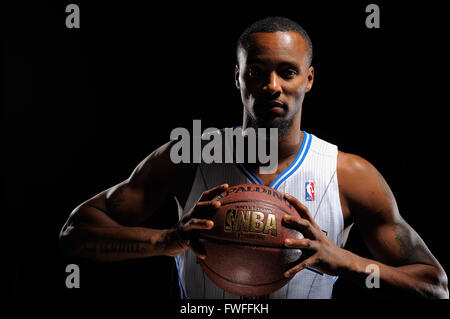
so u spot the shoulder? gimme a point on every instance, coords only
(361, 185)
(155, 164)
(351, 165)
(158, 168)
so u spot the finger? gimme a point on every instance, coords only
(198, 224)
(213, 192)
(301, 209)
(304, 264)
(303, 243)
(303, 225)
(208, 205)
(206, 209)
(198, 249)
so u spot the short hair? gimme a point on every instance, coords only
(271, 25)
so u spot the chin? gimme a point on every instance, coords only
(280, 123)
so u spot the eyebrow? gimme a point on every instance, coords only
(285, 63)
(292, 64)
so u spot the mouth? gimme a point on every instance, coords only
(279, 109)
(272, 107)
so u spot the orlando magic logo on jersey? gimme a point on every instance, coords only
(311, 178)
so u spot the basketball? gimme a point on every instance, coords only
(244, 250)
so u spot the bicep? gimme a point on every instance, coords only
(118, 205)
(128, 204)
(395, 242)
(389, 238)
(134, 200)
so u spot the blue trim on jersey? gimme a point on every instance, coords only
(182, 294)
(335, 278)
(250, 175)
(247, 174)
(301, 155)
(293, 167)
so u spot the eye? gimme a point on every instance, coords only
(254, 72)
(289, 73)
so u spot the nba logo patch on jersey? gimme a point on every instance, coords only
(309, 191)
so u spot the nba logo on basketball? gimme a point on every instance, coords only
(309, 191)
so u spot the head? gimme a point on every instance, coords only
(273, 73)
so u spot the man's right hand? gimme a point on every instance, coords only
(184, 234)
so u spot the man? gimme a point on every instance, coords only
(273, 74)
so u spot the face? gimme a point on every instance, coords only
(273, 76)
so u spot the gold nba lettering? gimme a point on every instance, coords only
(242, 222)
(250, 221)
(271, 225)
(257, 224)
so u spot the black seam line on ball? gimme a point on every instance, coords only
(256, 202)
(232, 242)
(241, 284)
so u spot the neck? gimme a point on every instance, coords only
(289, 143)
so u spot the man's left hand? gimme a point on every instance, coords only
(326, 256)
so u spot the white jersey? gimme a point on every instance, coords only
(312, 179)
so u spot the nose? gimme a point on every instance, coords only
(273, 86)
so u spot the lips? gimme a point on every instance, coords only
(271, 107)
(276, 104)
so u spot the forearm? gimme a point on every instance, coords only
(107, 244)
(427, 281)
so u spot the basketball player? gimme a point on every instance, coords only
(330, 189)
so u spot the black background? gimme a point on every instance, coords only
(82, 107)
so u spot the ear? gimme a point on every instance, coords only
(236, 76)
(310, 78)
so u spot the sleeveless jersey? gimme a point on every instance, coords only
(312, 179)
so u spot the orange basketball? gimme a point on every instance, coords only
(244, 250)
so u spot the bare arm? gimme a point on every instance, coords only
(403, 259)
(106, 227)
